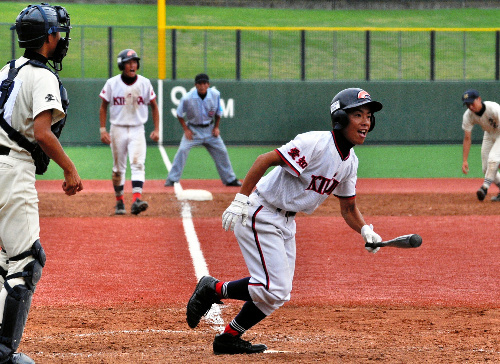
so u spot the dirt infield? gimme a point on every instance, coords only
(114, 288)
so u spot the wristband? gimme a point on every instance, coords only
(102, 129)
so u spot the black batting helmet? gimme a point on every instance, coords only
(125, 56)
(349, 99)
(35, 22)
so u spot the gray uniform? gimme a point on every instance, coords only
(199, 115)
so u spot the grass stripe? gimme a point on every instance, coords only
(421, 161)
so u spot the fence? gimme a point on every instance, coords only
(272, 53)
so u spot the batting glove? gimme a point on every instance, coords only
(239, 207)
(370, 236)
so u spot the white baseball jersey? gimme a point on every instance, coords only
(128, 104)
(35, 90)
(489, 121)
(315, 168)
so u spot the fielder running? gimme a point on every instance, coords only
(308, 169)
(128, 96)
(32, 112)
(486, 114)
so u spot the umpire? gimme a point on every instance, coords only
(32, 113)
(199, 113)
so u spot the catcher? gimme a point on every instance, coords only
(32, 115)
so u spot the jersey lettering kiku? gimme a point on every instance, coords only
(127, 105)
(314, 169)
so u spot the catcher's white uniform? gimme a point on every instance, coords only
(19, 225)
(35, 90)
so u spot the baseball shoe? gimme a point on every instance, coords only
(201, 301)
(481, 193)
(20, 358)
(120, 208)
(168, 183)
(139, 206)
(496, 198)
(229, 344)
(235, 183)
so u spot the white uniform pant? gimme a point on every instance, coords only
(490, 157)
(131, 141)
(19, 221)
(267, 243)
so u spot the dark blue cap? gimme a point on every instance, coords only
(202, 77)
(469, 96)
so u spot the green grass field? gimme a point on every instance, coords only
(145, 15)
(424, 161)
(379, 161)
(395, 55)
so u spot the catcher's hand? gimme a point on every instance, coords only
(239, 207)
(370, 236)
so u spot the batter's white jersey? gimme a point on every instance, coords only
(489, 121)
(128, 104)
(315, 168)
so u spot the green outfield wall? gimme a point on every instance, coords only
(274, 112)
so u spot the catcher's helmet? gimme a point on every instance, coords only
(125, 56)
(349, 99)
(35, 22)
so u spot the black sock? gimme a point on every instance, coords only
(248, 317)
(238, 290)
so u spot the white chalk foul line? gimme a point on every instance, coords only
(200, 266)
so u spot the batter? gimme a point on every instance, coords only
(35, 103)
(307, 170)
(128, 96)
(486, 114)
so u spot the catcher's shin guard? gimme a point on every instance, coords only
(15, 315)
(18, 301)
(33, 270)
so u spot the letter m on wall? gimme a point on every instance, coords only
(227, 110)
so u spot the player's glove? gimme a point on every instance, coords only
(239, 207)
(370, 236)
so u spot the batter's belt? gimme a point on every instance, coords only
(262, 201)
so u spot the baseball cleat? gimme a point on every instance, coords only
(235, 183)
(229, 344)
(481, 193)
(168, 183)
(496, 198)
(120, 208)
(139, 206)
(201, 301)
(20, 358)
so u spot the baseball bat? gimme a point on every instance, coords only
(404, 241)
